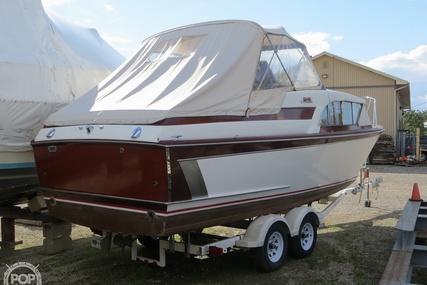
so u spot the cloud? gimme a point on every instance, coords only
(50, 3)
(338, 38)
(418, 95)
(412, 64)
(316, 42)
(108, 7)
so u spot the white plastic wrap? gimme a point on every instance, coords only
(45, 63)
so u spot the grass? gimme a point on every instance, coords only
(343, 255)
(346, 253)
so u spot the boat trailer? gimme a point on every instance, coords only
(269, 236)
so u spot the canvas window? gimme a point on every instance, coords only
(176, 48)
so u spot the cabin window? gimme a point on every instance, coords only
(356, 112)
(284, 63)
(347, 113)
(341, 113)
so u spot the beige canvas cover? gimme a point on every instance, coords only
(205, 69)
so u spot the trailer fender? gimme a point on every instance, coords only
(295, 216)
(257, 230)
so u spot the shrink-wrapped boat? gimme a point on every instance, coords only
(45, 63)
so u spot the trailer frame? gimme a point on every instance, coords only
(256, 231)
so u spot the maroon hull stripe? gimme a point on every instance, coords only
(276, 142)
(142, 205)
(160, 208)
(139, 171)
(141, 223)
(284, 114)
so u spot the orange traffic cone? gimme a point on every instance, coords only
(415, 193)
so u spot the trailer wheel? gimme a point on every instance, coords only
(303, 244)
(271, 256)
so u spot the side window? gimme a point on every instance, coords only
(270, 73)
(356, 112)
(264, 78)
(347, 113)
(285, 62)
(341, 113)
(336, 114)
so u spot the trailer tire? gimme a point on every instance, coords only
(302, 245)
(271, 256)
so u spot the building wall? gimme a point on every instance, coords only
(343, 76)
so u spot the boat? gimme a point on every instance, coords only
(58, 61)
(207, 124)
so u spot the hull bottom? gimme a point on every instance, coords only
(18, 177)
(16, 185)
(118, 218)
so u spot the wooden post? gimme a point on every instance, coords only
(417, 145)
(7, 232)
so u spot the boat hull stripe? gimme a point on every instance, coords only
(168, 209)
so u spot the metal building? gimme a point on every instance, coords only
(392, 93)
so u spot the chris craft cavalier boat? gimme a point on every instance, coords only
(205, 125)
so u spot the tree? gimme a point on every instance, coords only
(415, 119)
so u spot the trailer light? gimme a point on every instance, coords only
(216, 251)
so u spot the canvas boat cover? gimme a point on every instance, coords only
(45, 63)
(207, 69)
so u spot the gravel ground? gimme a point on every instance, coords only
(390, 198)
(353, 248)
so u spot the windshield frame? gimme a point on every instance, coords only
(288, 65)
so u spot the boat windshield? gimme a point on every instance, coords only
(285, 63)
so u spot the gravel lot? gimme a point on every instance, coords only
(353, 248)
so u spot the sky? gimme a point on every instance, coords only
(387, 35)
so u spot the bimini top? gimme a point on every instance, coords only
(222, 68)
